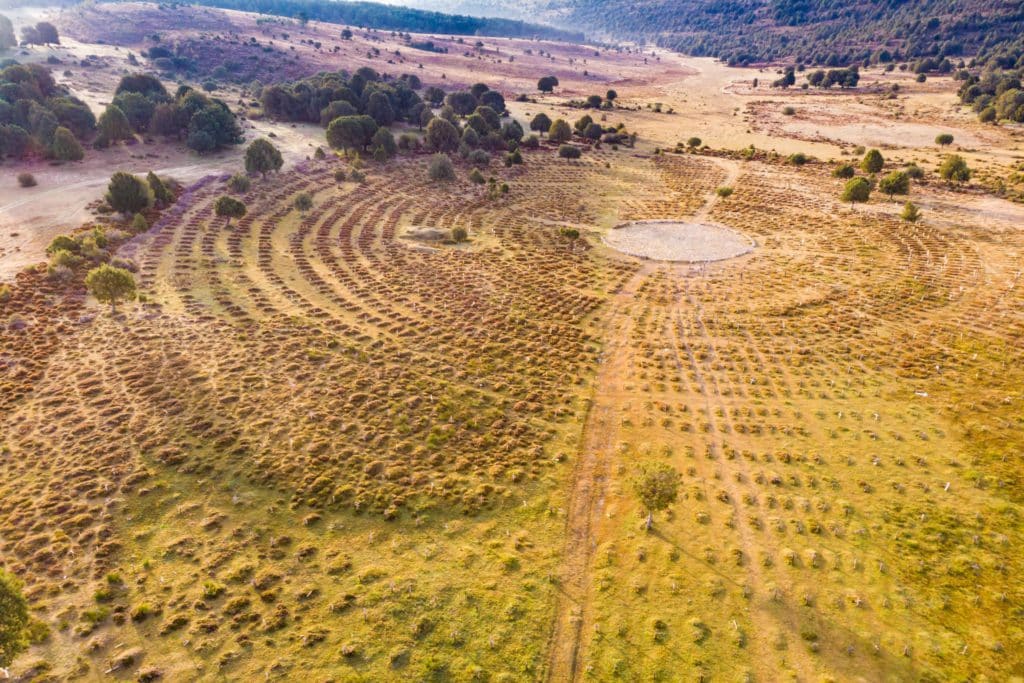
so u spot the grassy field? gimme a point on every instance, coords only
(322, 449)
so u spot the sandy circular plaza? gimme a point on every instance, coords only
(678, 241)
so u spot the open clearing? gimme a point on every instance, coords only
(676, 241)
(323, 450)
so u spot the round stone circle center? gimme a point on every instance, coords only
(672, 240)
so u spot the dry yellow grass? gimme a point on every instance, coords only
(321, 449)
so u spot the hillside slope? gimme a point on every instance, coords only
(814, 31)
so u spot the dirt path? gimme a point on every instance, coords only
(573, 613)
(590, 481)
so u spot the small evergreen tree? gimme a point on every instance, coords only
(895, 183)
(559, 131)
(112, 127)
(656, 487)
(110, 285)
(262, 157)
(873, 161)
(127, 194)
(856, 190)
(13, 619)
(65, 146)
(540, 123)
(228, 207)
(161, 194)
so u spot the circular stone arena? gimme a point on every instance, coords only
(678, 241)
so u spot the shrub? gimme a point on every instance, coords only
(872, 162)
(943, 139)
(476, 177)
(339, 175)
(139, 223)
(459, 234)
(843, 171)
(441, 168)
(26, 180)
(239, 183)
(914, 172)
(895, 183)
(788, 111)
(798, 159)
(910, 213)
(303, 202)
(954, 169)
(693, 142)
(479, 158)
(856, 190)
(127, 194)
(569, 152)
(724, 192)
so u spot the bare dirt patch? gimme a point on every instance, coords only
(678, 241)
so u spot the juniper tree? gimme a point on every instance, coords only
(656, 487)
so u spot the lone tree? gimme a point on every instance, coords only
(656, 487)
(540, 123)
(611, 95)
(547, 83)
(693, 142)
(109, 285)
(262, 157)
(228, 207)
(442, 136)
(944, 139)
(13, 619)
(559, 131)
(895, 183)
(856, 190)
(910, 213)
(873, 161)
(954, 169)
(127, 194)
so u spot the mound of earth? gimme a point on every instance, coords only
(426, 234)
(678, 241)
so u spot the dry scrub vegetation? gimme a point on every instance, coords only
(319, 449)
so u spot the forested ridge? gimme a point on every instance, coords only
(395, 18)
(821, 32)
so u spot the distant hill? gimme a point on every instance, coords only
(397, 18)
(823, 32)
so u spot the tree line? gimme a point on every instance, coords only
(396, 18)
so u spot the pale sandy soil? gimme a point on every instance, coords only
(676, 241)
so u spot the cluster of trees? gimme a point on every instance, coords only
(953, 170)
(326, 96)
(38, 117)
(42, 33)
(585, 128)
(833, 33)
(995, 96)
(396, 18)
(844, 78)
(142, 105)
